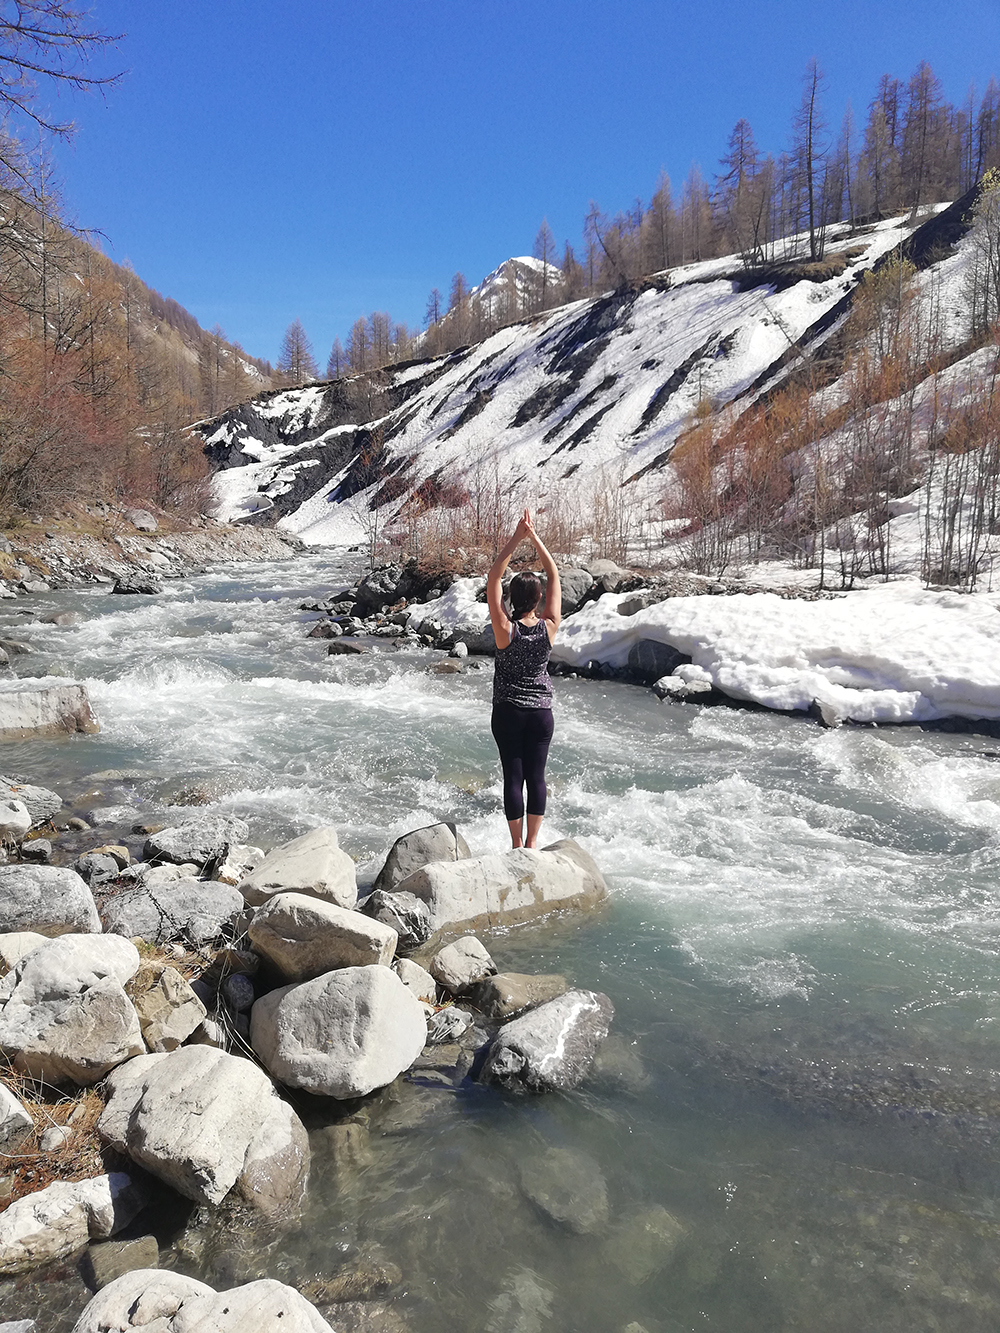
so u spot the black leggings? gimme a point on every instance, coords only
(522, 736)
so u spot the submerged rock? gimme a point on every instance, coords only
(644, 1244)
(206, 1123)
(568, 1187)
(551, 1048)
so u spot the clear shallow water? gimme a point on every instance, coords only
(801, 948)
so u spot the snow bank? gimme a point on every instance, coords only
(896, 653)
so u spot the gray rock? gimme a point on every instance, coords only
(650, 659)
(64, 1014)
(28, 709)
(610, 576)
(509, 993)
(523, 1305)
(342, 1035)
(169, 1011)
(448, 1024)
(460, 650)
(325, 629)
(551, 1048)
(568, 1187)
(239, 860)
(42, 804)
(575, 584)
(15, 1122)
(38, 850)
(378, 589)
(142, 519)
(238, 992)
(346, 648)
(93, 867)
(19, 1325)
(54, 1138)
(110, 1259)
(61, 618)
(408, 916)
(193, 911)
(675, 687)
(502, 889)
(136, 583)
(461, 965)
(181, 1304)
(208, 1123)
(63, 1217)
(313, 864)
(644, 1244)
(199, 840)
(304, 937)
(35, 585)
(436, 842)
(416, 980)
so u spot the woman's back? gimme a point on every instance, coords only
(521, 676)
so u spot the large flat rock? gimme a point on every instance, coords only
(191, 910)
(207, 1123)
(304, 937)
(45, 707)
(314, 864)
(499, 890)
(48, 900)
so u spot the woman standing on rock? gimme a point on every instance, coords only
(522, 690)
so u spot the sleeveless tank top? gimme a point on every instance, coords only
(521, 677)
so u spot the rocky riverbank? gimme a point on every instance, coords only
(165, 1009)
(95, 544)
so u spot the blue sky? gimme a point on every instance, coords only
(262, 162)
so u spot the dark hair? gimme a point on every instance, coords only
(524, 593)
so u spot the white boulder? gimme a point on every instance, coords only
(314, 865)
(169, 1011)
(501, 889)
(416, 979)
(49, 900)
(15, 1122)
(167, 1302)
(193, 911)
(206, 1123)
(30, 708)
(17, 944)
(64, 1216)
(64, 1014)
(14, 819)
(460, 965)
(238, 861)
(304, 937)
(343, 1034)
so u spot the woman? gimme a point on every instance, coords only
(522, 691)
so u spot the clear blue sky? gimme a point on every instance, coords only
(264, 161)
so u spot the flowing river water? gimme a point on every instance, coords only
(801, 948)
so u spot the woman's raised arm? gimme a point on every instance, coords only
(494, 583)
(552, 613)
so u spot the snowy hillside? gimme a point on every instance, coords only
(562, 408)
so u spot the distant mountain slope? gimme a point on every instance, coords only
(585, 398)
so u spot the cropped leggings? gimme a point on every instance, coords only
(523, 736)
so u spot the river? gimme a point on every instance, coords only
(801, 948)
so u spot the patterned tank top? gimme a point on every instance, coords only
(521, 677)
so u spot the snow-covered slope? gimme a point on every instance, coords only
(561, 408)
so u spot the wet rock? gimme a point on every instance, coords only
(649, 660)
(460, 650)
(190, 910)
(239, 860)
(199, 840)
(568, 1187)
(314, 865)
(28, 710)
(207, 1123)
(17, 945)
(408, 916)
(342, 1035)
(368, 1275)
(378, 589)
(42, 804)
(509, 993)
(446, 668)
(137, 584)
(499, 890)
(616, 1066)
(551, 1048)
(64, 1014)
(107, 1261)
(436, 842)
(346, 1148)
(61, 618)
(15, 1121)
(345, 648)
(178, 1304)
(678, 688)
(94, 868)
(644, 1244)
(304, 937)
(416, 979)
(524, 1304)
(37, 850)
(448, 1025)
(169, 1010)
(460, 965)
(63, 1217)
(368, 1317)
(326, 629)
